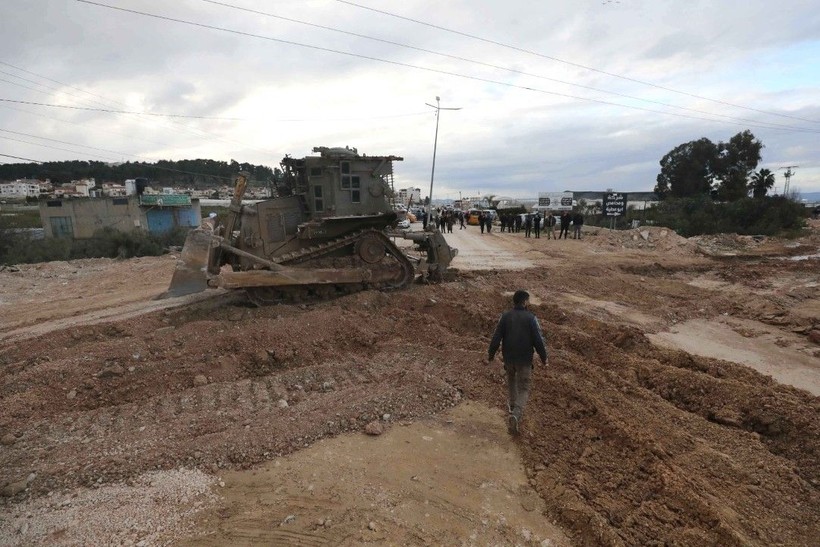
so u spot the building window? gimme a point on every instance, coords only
(120, 201)
(315, 171)
(317, 198)
(54, 203)
(61, 227)
(346, 175)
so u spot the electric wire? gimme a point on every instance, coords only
(57, 148)
(112, 111)
(71, 143)
(570, 63)
(19, 158)
(481, 63)
(763, 125)
(144, 158)
(82, 124)
(158, 120)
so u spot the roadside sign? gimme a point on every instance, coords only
(614, 204)
(556, 201)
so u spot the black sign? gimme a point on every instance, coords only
(614, 205)
(544, 202)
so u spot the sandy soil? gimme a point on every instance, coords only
(680, 400)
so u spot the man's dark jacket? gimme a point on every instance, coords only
(518, 333)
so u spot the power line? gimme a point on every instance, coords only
(55, 119)
(577, 65)
(121, 111)
(19, 158)
(427, 69)
(70, 143)
(112, 111)
(195, 132)
(145, 159)
(481, 63)
(55, 147)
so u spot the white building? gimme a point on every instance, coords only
(83, 186)
(20, 189)
(406, 196)
(112, 189)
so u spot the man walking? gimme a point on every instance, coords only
(518, 333)
(536, 224)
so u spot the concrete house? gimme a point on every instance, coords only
(80, 218)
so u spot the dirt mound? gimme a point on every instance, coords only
(626, 443)
(649, 238)
(722, 245)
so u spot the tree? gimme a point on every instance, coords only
(736, 161)
(702, 167)
(688, 170)
(761, 183)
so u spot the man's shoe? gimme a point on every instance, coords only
(512, 424)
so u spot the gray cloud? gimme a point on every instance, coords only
(506, 139)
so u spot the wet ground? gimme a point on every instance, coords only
(679, 400)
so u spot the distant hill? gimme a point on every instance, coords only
(194, 173)
(812, 197)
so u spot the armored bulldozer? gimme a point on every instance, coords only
(331, 230)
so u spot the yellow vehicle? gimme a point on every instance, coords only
(472, 215)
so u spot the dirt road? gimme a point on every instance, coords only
(652, 424)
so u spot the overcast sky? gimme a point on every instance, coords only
(554, 95)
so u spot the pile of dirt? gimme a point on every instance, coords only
(649, 238)
(626, 443)
(730, 245)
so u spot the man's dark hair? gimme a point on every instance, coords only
(520, 297)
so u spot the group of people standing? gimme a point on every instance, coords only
(532, 224)
(445, 220)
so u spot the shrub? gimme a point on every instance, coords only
(16, 248)
(747, 216)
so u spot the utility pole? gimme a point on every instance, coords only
(787, 175)
(435, 146)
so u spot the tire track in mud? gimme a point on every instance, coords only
(237, 422)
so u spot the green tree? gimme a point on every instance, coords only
(761, 183)
(735, 162)
(688, 169)
(703, 167)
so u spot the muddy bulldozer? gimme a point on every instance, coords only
(331, 230)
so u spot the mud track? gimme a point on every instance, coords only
(625, 441)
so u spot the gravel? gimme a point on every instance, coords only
(156, 509)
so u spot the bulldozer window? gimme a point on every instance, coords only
(317, 198)
(356, 196)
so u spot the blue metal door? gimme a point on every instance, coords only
(160, 220)
(187, 216)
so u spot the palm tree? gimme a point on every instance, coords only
(761, 182)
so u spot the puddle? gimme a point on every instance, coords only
(719, 340)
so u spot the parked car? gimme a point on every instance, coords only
(404, 224)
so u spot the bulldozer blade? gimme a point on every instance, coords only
(191, 274)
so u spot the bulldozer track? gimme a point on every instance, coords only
(235, 411)
(267, 295)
